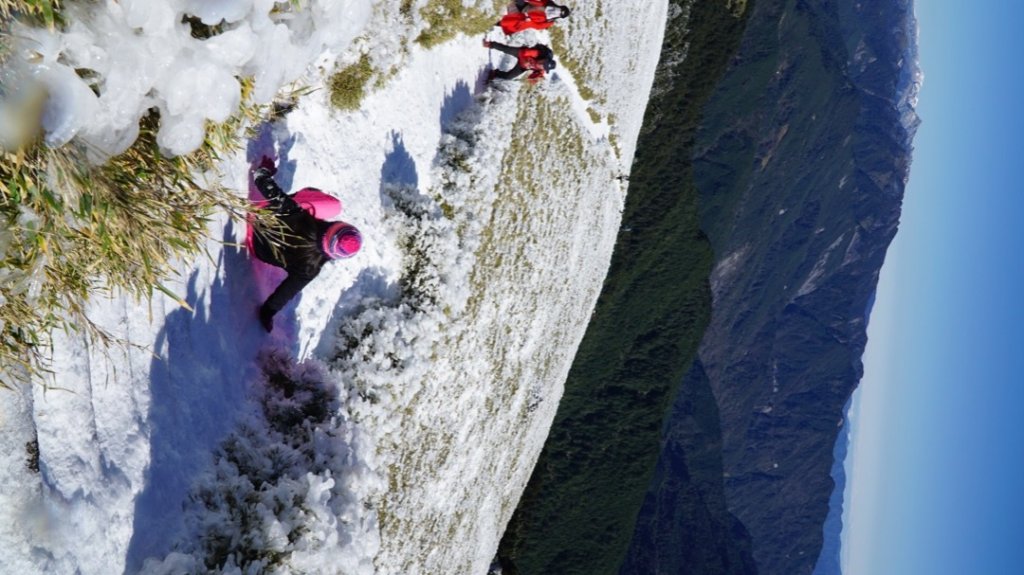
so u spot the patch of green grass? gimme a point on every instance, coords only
(447, 18)
(349, 85)
(45, 13)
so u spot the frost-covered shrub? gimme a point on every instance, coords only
(283, 494)
(386, 341)
(429, 243)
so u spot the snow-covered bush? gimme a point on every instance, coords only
(283, 494)
(387, 340)
(429, 246)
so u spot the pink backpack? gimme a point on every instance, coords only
(319, 205)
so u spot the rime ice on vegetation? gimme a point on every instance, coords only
(142, 54)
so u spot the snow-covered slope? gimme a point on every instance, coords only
(391, 420)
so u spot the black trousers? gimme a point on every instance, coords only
(521, 5)
(513, 51)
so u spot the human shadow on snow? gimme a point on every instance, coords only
(198, 379)
(458, 99)
(399, 167)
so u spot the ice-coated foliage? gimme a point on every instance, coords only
(283, 494)
(116, 60)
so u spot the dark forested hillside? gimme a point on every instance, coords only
(578, 512)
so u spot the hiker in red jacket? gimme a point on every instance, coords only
(536, 14)
(536, 59)
(302, 247)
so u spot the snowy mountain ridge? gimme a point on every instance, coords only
(390, 422)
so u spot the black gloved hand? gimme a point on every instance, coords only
(266, 318)
(267, 163)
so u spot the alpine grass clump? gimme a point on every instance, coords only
(349, 85)
(72, 228)
(447, 18)
(44, 12)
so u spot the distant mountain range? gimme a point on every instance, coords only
(801, 161)
(829, 560)
(778, 136)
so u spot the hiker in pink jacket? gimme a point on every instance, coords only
(307, 243)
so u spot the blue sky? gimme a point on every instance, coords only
(937, 461)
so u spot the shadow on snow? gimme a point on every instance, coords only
(198, 382)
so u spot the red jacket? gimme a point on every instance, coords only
(519, 21)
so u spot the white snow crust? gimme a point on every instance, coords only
(420, 377)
